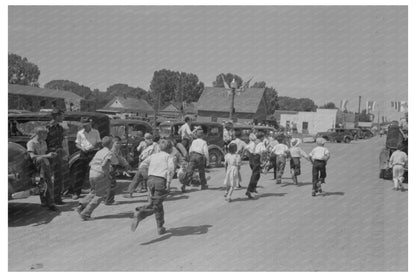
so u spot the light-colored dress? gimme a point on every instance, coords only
(233, 162)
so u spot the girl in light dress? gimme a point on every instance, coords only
(232, 167)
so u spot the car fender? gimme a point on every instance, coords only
(213, 146)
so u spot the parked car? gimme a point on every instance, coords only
(213, 135)
(336, 134)
(127, 130)
(20, 172)
(366, 133)
(246, 129)
(21, 128)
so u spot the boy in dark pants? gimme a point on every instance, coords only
(160, 169)
(255, 164)
(319, 157)
(198, 155)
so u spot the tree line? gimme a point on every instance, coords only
(166, 86)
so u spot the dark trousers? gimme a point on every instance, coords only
(273, 164)
(57, 169)
(318, 174)
(111, 191)
(158, 192)
(256, 170)
(46, 193)
(82, 170)
(280, 167)
(196, 161)
(137, 180)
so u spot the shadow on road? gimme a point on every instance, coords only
(23, 214)
(329, 193)
(181, 231)
(112, 216)
(259, 196)
(299, 184)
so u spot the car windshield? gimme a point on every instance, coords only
(27, 128)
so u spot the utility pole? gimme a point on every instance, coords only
(233, 86)
(181, 95)
(359, 104)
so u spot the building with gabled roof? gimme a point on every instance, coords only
(173, 110)
(127, 105)
(214, 105)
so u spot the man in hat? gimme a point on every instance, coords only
(198, 156)
(281, 152)
(37, 148)
(54, 140)
(228, 134)
(295, 154)
(185, 129)
(398, 163)
(88, 142)
(319, 157)
(257, 149)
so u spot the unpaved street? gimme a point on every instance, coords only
(359, 224)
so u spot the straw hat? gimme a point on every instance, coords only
(295, 142)
(320, 141)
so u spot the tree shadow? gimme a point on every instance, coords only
(259, 196)
(181, 231)
(23, 214)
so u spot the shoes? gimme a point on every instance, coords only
(60, 202)
(161, 230)
(53, 208)
(128, 196)
(136, 220)
(248, 194)
(320, 190)
(255, 191)
(85, 217)
(228, 199)
(79, 209)
(75, 197)
(313, 193)
(225, 195)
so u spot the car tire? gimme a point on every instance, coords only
(347, 140)
(215, 158)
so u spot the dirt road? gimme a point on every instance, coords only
(358, 224)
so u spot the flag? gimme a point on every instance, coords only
(370, 106)
(246, 84)
(225, 83)
(343, 105)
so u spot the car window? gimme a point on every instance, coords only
(214, 131)
(118, 131)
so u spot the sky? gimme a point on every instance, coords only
(326, 53)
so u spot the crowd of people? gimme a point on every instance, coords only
(161, 159)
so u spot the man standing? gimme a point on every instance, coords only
(37, 150)
(281, 152)
(185, 130)
(198, 155)
(54, 141)
(88, 141)
(255, 163)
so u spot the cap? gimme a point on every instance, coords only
(320, 141)
(295, 142)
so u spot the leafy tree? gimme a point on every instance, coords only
(22, 72)
(270, 95)
(329, 105)
(76, 88)
(294, 104)
(219, 83)
(126, 91)
(168, 85)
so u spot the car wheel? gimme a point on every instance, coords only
(215, 158)
(347, 140)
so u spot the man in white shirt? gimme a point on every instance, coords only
(160, 169)
(319, 157)
(255, 164)
(198, 155)
(88, 141)
(185, 129)
(398, 162)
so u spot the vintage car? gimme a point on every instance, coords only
(20, 172)
(127, 130)
(336, 135)
(213, 135)
(21, 128)
(396, 138)
(366, 133)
